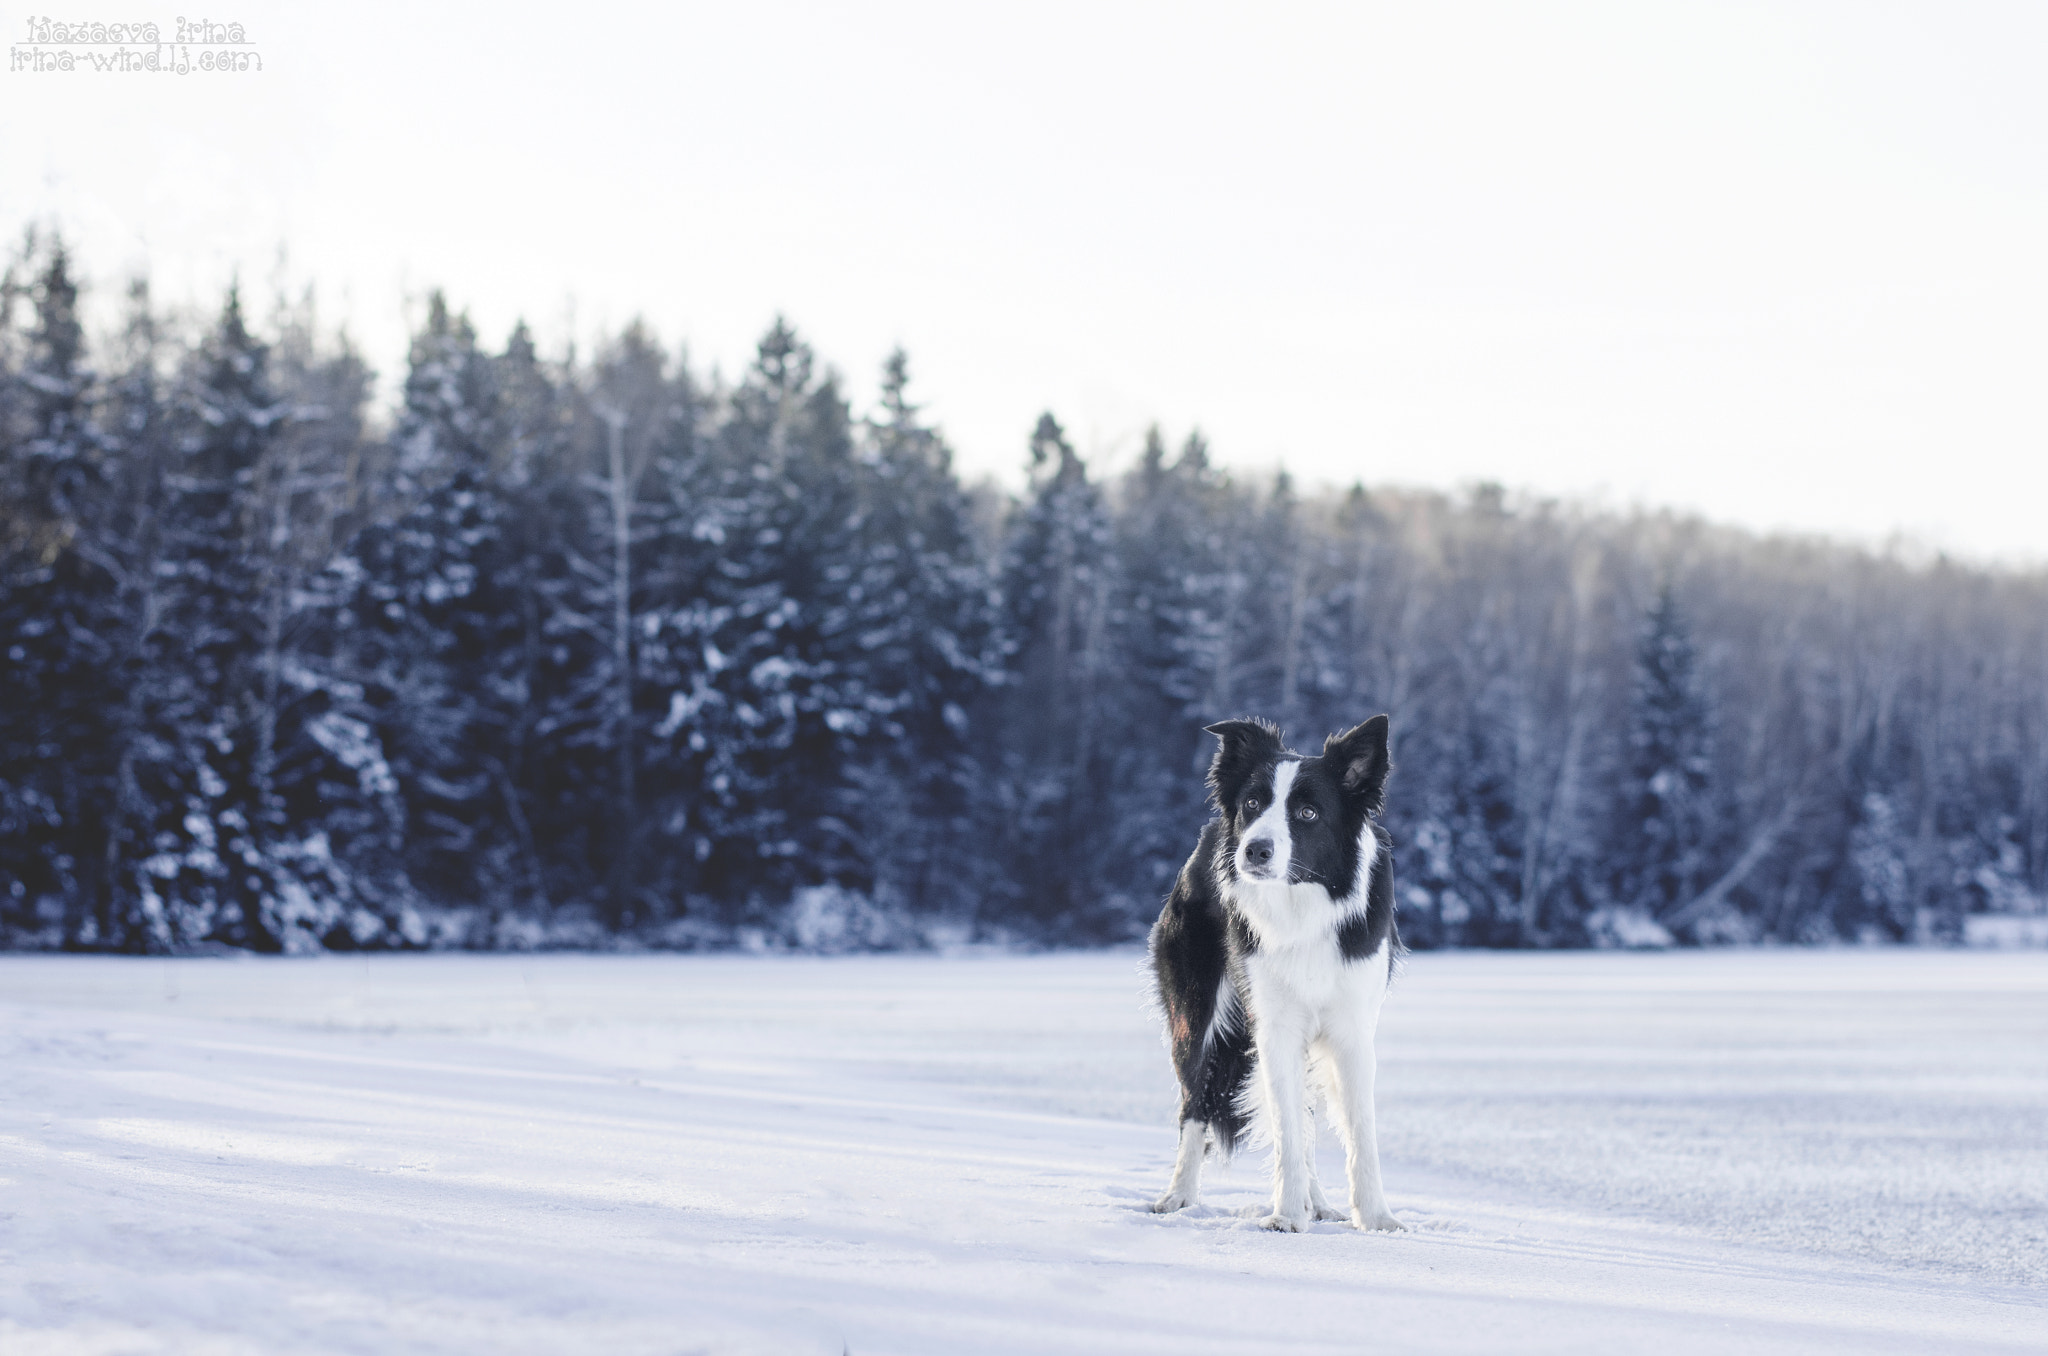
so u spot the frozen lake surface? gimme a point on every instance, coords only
(1687, 1152)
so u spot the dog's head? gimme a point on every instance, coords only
(1293, 818)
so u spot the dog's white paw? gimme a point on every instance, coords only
(1326, 1213)
(1383, 1222)
(1285, 1224)
(1172, 1201)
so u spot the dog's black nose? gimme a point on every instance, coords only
(1259, 851)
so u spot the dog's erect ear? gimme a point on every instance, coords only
(1360, 754)
(1244, 745)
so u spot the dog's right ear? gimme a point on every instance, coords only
(1360, 754)
(1243, 747)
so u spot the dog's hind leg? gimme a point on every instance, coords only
(1319, 1207)
(1186, 1187)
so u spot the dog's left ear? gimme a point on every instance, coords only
(1361, 755)
(1242, 746)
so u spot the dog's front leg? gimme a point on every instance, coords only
(1356, 1065)
(1283, 1059)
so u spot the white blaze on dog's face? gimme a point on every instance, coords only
(1265, 846)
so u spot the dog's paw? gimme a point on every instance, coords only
(1383, 1222)
(1326, 1213)
(1172, 1201)
(1285, 1224)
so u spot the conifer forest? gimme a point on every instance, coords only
(597, 649)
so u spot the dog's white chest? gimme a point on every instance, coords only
(1285, 914)
(1311, 986)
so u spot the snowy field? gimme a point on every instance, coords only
(1676, 1153)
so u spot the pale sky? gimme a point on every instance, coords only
(1782, 264)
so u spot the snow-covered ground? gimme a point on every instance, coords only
(1677, 1153)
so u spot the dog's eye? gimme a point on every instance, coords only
(1251, 806)
(1305, 813)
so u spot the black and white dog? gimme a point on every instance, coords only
(1272, 956)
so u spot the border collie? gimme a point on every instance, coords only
(1272, 957)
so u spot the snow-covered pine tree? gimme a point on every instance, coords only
(59, 617)
(711, 604)
(430, 621)
(769, 696)
(206, 874)
(208, 846)
(1663, 839)
(636, 431)
(139, 417)
(341, 850)
(1055, 813)
(1174, 593)
(1479, 844)
(537, 473)
(925, 625)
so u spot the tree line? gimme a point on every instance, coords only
(600, 650)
